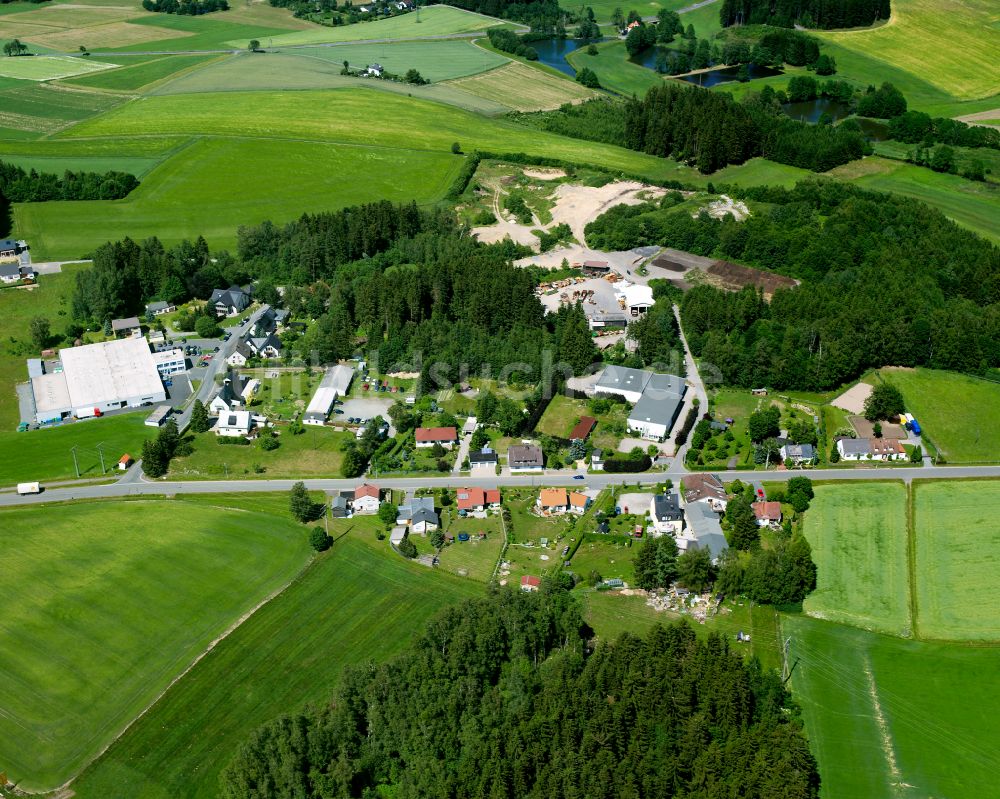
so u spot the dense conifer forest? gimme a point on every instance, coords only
(808, 13)
(503, 697)
(20, 186)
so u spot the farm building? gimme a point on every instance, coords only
(595, 268)
(429, 436)
(97, 378)
(335, 383)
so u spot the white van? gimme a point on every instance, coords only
(28, 488)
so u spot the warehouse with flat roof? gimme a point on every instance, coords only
(335, 383)
(97, 378)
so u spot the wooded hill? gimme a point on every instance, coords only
(808, 13)
(501, 697)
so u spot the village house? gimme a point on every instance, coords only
(126, 328)
(767, 513)
(525, 458)
(9, 248)
(798, 453)
(702, 530)
(268, 346)
(429, 436)
(340, 505)
(231, 301)
(579, 502)
(483, 460)
(854, 449)
(418, 514)
(229, 397)
(665, 512)
(234, 424)
(366, 499)
(597, 460)
(703, 487)
(241, 355)
(160, 308)
(552, 501)
(14, 273)
(887, 449)
(477, 500)
(530, 583)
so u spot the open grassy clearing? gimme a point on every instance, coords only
(434, 21)
(50, 67)
(475, 558)
(958, 413)
(113, 601)
(45, 454)
(970, 204)
(888, 718)
(524, 88)
(949, 43)
(614, 70)
(315, 453)
(859, 541)
(434, 60)
(355, 603)
(133, 76)
(353, 116)
(208, 190)
(757, 172)
(173, 32)
(957, 556)
(964, 156)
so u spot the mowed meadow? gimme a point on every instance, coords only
(110, 603)
(913, 713)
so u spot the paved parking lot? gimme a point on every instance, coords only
(363, 408)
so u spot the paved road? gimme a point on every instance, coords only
(134, 484)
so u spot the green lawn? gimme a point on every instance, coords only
(937, 702)
(614, 70)
(50, 67)
(433, 21)
(563, 413)
(957, 556)
(30, 110)
(757, 172)
(315, 453)
(859, 543)
(112, 601)
(355, 603)
(526, 526)
(207, 189)
(958, 413)
(607, 558)
(474, 558)
(175, 32)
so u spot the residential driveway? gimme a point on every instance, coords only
(463, 452)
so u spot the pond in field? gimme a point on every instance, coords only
(713, 77)
(553, 52)
(812, 110)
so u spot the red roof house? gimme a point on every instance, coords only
(530, 583)
(583, 428)
(477, 498)
(767, 512)
(429, 436)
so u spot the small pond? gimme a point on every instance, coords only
(553, 52)
(714, 77)
(812, 110)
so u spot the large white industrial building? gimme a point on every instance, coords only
(335, 383)
(97, 378)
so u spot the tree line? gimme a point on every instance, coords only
(915, 127)
(30, 186)
(503, 697)
(190, 8)
(824, 14)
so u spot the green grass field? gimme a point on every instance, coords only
(207, 189)
(606, 558)
(50, 67)
(614, 70)
(434, 21)
(112, 601)
(949, 43)
(859, 541)
(474, 558)
(45, 454)
(958, 413)
(355, 603)
(29, 109)
(957, 555)
(139, 72)
(315, 453)
(889, 718)
(524, 88)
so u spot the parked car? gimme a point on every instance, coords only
(577, 476)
